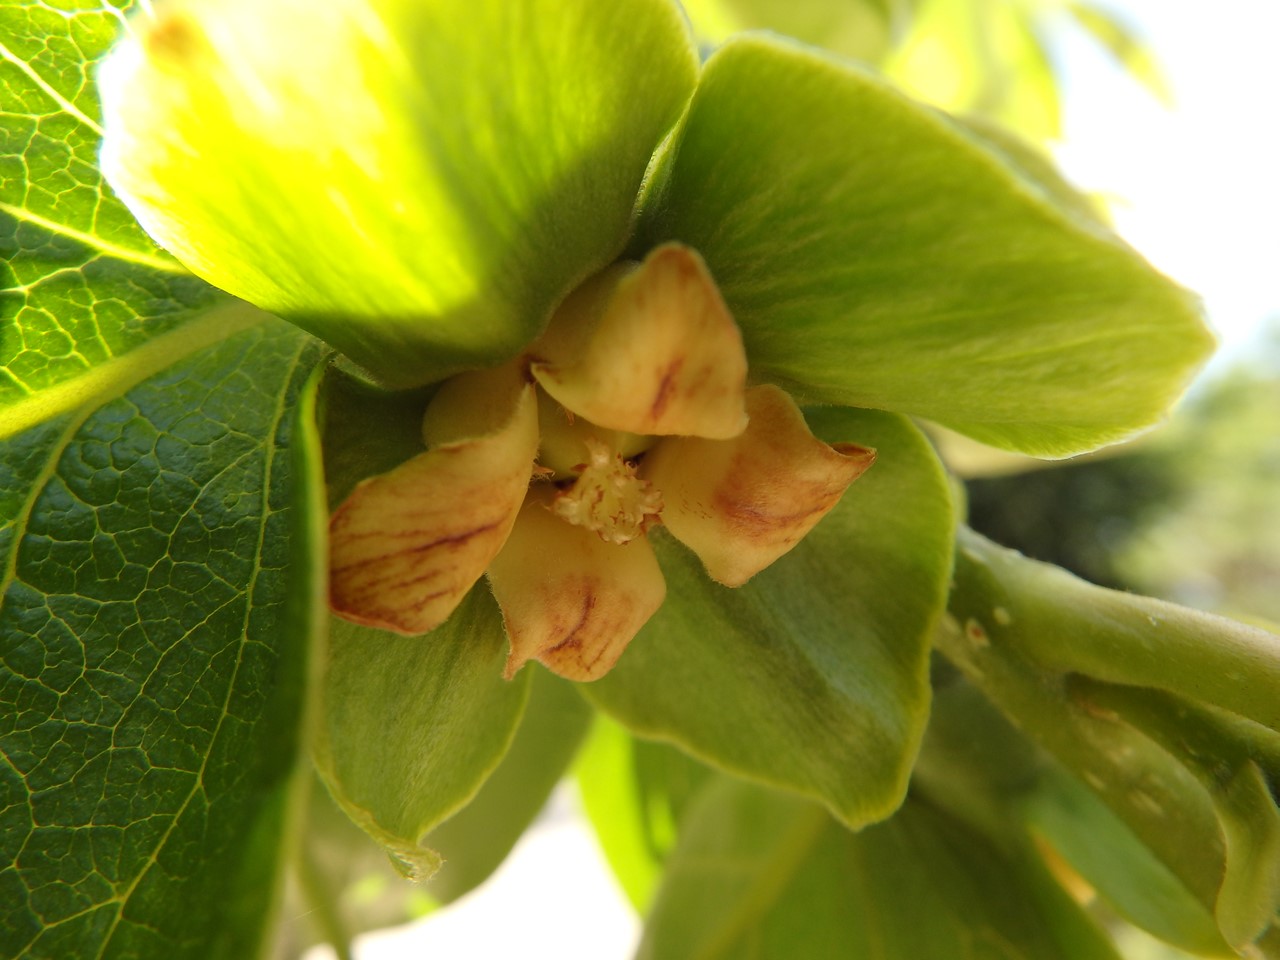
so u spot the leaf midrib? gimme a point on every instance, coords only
(109, 380)
(161, 264)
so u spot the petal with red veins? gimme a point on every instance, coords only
(740, 504)
(407, 545)
(648, 349)
(569, 599)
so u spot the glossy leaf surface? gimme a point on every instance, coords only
(823, 691)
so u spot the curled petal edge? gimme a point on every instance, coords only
(742, 503)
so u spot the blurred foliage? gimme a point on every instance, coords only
(1217, 545)
(991, 58)
(1190, 514)
(1082, 514)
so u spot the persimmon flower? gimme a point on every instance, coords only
(454, 197)
(631, 411)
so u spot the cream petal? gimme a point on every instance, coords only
(740, 504)
(406, 546)
(648, 349)
(568, 598)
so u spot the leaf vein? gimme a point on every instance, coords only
(63, 103)
(106, 247)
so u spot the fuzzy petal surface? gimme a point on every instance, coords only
(406, 546)
(569, 599)
(741, 504)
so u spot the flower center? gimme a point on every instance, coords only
(608, 497)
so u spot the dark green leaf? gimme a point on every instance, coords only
(814, 675)
(159, 555)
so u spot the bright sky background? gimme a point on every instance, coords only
(1196, 189)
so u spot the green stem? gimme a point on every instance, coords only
(1170, 715)
(1069, 626)
(1157, 799)
(1236, 761)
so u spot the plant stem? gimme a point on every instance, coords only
(1069, 626)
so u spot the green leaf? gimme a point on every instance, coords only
(876, 254)
(975, 765)
(81, 286)
(759, 874)
(1238, 763)
(412, 726)
(635, 793)
(814, 675)
(51, 124)
(159, 570)
(418, 183)
(475, 841)
(1104, 851)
